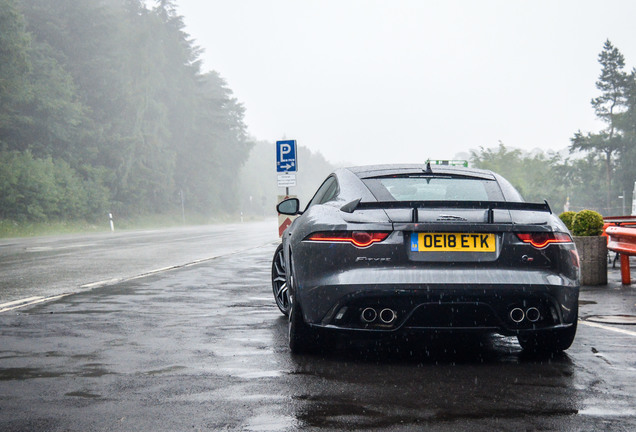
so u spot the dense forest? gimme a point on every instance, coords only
(104, 108)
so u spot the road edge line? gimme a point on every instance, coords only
(34, 302)
(107, 282)
(605, 327)
(16, 302)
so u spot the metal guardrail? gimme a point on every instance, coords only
(620, 220)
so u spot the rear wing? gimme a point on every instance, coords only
(415, 205)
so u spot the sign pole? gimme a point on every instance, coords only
(286, 167)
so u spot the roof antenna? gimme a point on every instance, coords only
(428, 169)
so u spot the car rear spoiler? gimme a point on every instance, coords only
(354, 205)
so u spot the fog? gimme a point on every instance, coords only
(398, 81)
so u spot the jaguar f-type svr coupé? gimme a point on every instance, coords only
(415, 248)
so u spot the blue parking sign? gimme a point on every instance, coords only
(286, 156)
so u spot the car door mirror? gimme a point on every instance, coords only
(289, 206)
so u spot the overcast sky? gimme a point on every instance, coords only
(365, 81)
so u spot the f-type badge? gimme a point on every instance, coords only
(358, 259)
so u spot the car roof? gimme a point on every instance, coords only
(369, 171)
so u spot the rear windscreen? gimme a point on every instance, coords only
(434, 188)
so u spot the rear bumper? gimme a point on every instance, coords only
(441, 299)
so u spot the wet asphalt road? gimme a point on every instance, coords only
(47, 266)
(204, 348)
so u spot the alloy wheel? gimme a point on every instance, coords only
(279, 281)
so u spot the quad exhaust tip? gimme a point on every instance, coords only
(517, 315)
(386, 315)
(532, 314)
(368, 315)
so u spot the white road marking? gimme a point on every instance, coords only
(605, 327)
(101, 283)
(5, 307)
(33, 301)
(105, 282)
(15, 302)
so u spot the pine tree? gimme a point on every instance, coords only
(14, 68)
(608, 107)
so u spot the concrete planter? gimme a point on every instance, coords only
(593, 257)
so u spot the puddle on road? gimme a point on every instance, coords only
(259, 398)
(94, 371)
(164, 370)
(27, 373)
(586, 302)
(83, 394)
(596, 411)
(266, 300)
(235, 352)
(270, 422)
(253, 374)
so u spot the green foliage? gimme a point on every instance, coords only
(625, 167)
(584, 181)
(14, 68)
(587, 223)
(567, 218)
(40, 189)
(537, 175)
(609, 106)
(11, 228)
(540, 176)
(214, 149)
(109, 96)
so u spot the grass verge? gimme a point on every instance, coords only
(9, 228)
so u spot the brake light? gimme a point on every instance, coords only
(540, 240)
(357, 238)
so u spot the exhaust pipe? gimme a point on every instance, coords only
(517, 315)
(533, 314)
(387, 316)
(368, 315)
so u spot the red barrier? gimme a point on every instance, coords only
(620, 220)
(617, 221)
(622, 240)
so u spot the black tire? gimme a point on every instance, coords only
(280, 285)
(548, 342)
(301, 336)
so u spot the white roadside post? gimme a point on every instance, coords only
(634, 200)
(112, 224)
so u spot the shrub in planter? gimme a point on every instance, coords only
(587, 227)
(587, 223)
(567, 218)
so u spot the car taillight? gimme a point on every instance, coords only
(540, 240)
(356, 238)
(575, 258)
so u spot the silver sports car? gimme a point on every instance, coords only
(414, 248)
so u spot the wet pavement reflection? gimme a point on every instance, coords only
(205, 348)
